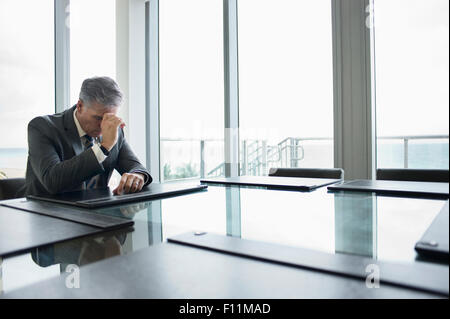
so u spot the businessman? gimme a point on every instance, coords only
(80, 147)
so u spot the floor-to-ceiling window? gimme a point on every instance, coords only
(27, 90)
(26, 76)
(92, 25)
(191, 88)
(285, 84)
(92, 42)
(411, 82)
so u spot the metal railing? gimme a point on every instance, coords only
(407, 139)
(257, 156)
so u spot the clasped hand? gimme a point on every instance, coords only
(130, 183)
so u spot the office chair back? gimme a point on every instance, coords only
(333, 173)
(413, 175)
(10, 186)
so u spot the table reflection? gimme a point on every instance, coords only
(355, 218)
(82, 251)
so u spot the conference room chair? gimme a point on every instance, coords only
(413, 175)
(332, 173)
(10, 186)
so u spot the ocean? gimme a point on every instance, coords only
(13, 157)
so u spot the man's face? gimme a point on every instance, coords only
(90, 116)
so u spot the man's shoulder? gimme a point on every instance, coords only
(49, 121)
(40, 120)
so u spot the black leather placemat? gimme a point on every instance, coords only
(103, 197)
(420, 276)
(21, 230)
(291, 183)
(434, 242)
(66, 213)
(439, 190)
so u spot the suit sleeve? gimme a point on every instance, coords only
(129, 163)
(53, 173)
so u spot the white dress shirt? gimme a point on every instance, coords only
(96, 148)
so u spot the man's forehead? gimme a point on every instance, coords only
(100, 109)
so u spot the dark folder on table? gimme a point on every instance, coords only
(293, 183)
(28, 224)
(94, 198)
(434, 242)
(407, 188)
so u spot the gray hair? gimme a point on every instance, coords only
(102, 90)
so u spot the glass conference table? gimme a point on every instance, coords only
(364, 224)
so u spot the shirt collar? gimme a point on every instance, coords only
(81, 132)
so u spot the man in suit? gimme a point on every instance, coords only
(80, 147)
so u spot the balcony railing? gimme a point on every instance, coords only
(406, 143)
(257, 156)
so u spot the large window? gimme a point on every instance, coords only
(191, 88)
(285, 80)
(92, 46)
(411, 58)
(26, 76)
(285, 84)
(92, 42)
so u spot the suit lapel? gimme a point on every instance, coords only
(72, 132)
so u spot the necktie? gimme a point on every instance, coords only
(88, 141)
(92, 182)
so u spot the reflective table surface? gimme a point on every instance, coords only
(364, 224)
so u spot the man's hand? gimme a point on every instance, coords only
(109, 126)
(130, 183)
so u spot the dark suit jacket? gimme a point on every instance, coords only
(58, 163)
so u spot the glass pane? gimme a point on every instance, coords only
(92, 42)
(26, 76)
(285, 84)
(411, 58)
(191, 88)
